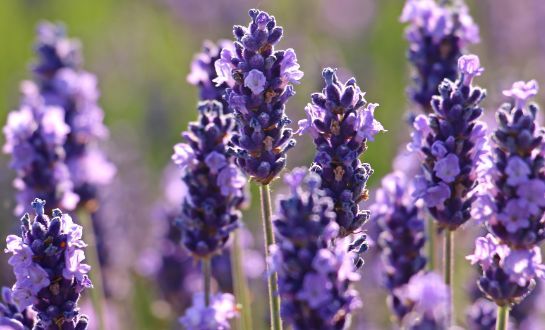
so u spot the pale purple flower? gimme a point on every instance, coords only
(470, 67)
(214, 317)
(486, 248)
(514, 215)
(224, 67)
(313, 113)
(231, 180)
(215, 161)
(448, 168)
(289, 68)
(74, 266)
(36, 279)
(366, 124)
(524, 265)
(522, 91)
(438, 150)
(183, 155)
(421, 129)
(517, 171)
(23, 297)
(316, 290)
(429, 293)
(295, 178)
(256, 81)
(532, 195)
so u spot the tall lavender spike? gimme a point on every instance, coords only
(35, 134)
(314, 275)
(451, 142)
(11, 317)
(48, 265)
(63, 83)
(516, 181)
(402, 237)
(340, 123)
(437, 36)
(262, 79)
(210, 211)
(203, 72)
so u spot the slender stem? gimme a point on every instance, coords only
(240, 283)
(431, 244)
(503, 318)
(98, 298)
(272, 279)
(207, 276)
(448, 262)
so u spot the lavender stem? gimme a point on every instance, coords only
(207, 276)
(240, 283)
(272, 279)
(448, 262)
(503, 317)
(431, 244)
(98, 298)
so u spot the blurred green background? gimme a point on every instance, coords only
(141, 50)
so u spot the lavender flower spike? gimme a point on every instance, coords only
(402, 237)
(314, 276)
(210, 210)
(340, 123)
(438, 36)
(10, 316)
(452, 143)
(62, 82)
(263, 79)
(216, 316)
(47, 261)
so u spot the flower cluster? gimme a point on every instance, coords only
(10, 316)
(402, 236)
(215, 186)
(437, 35)
(340, 124)
(452, 142)
(513, 206)
(508, 274)
(203, 72)
(314, 276)
(35, 134)
(62, 83)
(262, 81)
(48, 265)
(216, 316)
(481, 315)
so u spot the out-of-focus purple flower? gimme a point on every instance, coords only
(481, 315)
(262, 86)
(53, 282)
(469, 67)
(340, 122)
(402, 237)
(216, 316)
(314, 276)
(452, 145)
(437, 35)
(522, 91)
(210, 210)
(10, 316)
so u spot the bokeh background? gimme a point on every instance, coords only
(141, 50)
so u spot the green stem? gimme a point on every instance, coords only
(97, 293)
(240, 283)
(207, 276)
(503, 318)
(448, 260)
(431, 244)
(272, 279)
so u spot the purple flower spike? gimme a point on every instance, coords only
(216, 316)
(469, 67)
(340, 123)
(521, 92)
(210, 210)
(262, 84)
(47, 261)
(452, 143)
(314, 276)
(437, 35)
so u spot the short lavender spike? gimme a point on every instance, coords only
(438, 35)
(47, 261)
(341, 122)
(262, 79)
(314, 276)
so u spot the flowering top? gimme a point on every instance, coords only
(262, 81)
(508, 274)
(313, 275)
(216, 316)
(516, 181)
(10, 316)
(35, 134)
(452, 142)
(402, 236)
(437, 36)
(62, 83)
(215, 185)
(203, 72)
(48, 265)
(340, 123)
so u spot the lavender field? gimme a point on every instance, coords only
(242, 164)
